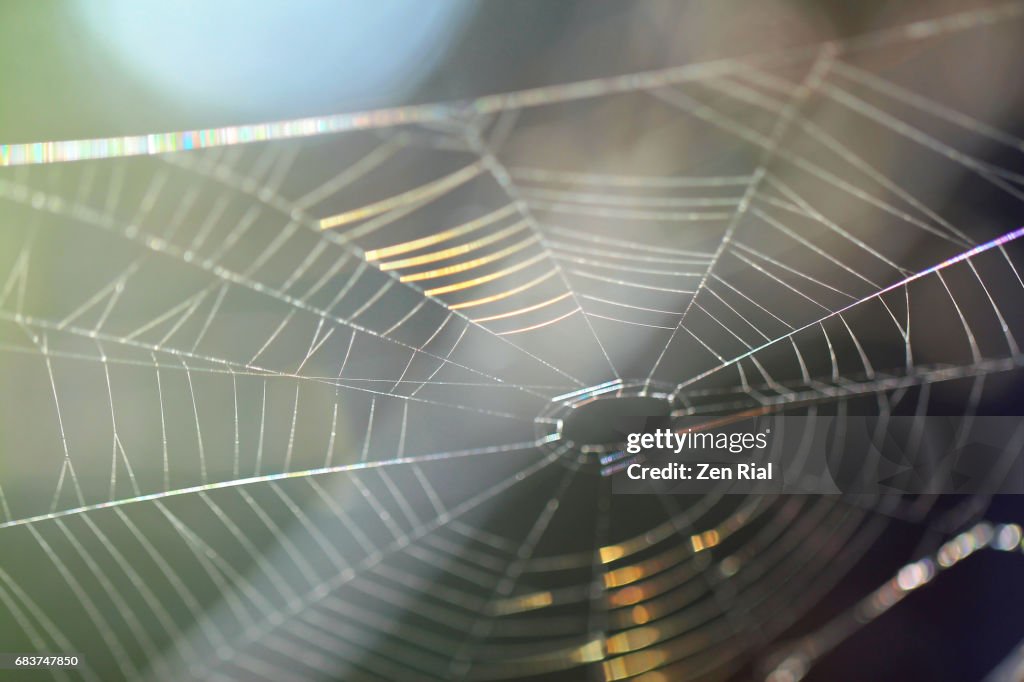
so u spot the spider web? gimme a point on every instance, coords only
(274, 407)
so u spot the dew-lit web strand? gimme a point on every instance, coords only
(216, 569)
(729, 124)
(501, 176)
(567, 248)
(140, 634)
(362, 166)
(607, 265)
(451, 350)
(993, 174)
(812, 80)
(923, 104)
(64, 323)
(444, 254)
(966, 255)
(435, 238)
(253, 370)
(551, 177)
(117, 447)
(620, 244)
(67, 465)
(998, 313)
(229, 370)
(59, 483)
(967, 330)
(259, 630)
(415, 198)
(625, 283)
(185, 595)
(819, 217)
(568, 199)
(118, 147)
(747, 255)
(288, 208)
(928, 106)
(461, 662)
(358, 466)
(795, 399)
(743, 93)
(232, 278)
(811, 245)
(630, 214)
(124, 662)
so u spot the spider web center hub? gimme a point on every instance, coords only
(595, 421)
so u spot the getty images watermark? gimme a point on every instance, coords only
(668, 442)
(856, 455)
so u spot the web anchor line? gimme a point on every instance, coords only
(998, 242)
